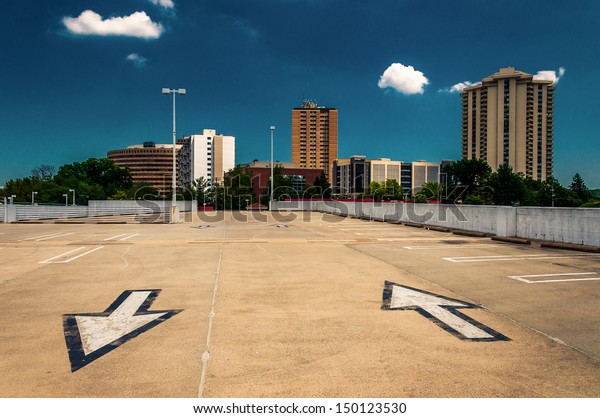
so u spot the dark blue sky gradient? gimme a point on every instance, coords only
(247, 63)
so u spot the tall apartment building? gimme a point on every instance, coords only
(208, 155)
(314, 136)
(149, 163)
(508, 119)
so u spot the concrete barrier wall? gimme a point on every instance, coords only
(15, 213)
(569, 225)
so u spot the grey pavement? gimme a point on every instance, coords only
(243, 306)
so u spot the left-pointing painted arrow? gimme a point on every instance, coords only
(441, 310)
(89, 336)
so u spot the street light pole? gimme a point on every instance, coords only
(272, 178)
(73, 190)
(33, 197)
(66, 196)
(174, 185)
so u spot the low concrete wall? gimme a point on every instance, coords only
(569, 225)
(15, 213)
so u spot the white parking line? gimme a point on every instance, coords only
(127, 237)
(42, 237)
(459, 246)
(51, 260)
(115, 237)
(525, 279)
(412, 239)
(485, 258)
(121, 237)
(55, 236)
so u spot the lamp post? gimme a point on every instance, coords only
(12, 199)
(272, 178)
(33, 197)
(174, 185)
(66, 196)
(73, 191)
(445, 185)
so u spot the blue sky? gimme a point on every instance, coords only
(81, 77)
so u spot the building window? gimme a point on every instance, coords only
(539, 133)
(506, 122)
(474, 127)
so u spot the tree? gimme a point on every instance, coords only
(237, 190)
(467, 177)
(508, 186)
(97, 178)
(322, 183)
(393, 190)
(43, 172)
(579, 188)
(321, 188)
(431, 190)
(203, 192)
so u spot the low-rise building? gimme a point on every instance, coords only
(353, 175)
(149, 163)
(260, 171)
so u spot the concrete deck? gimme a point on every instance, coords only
(292, 308)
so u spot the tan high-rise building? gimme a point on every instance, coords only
(314, 136)
(508, 119)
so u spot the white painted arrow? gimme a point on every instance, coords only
(99, 331)
(438, 307)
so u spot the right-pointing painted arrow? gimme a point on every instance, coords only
(441, 310)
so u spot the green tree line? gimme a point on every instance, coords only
(92, 179)
(473, 182)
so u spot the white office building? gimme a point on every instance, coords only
(209, 155)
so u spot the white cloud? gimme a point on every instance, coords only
(137, 25)
(403, 79)
(550, 75)
(457, 88)
(167, 4)
(137, 60)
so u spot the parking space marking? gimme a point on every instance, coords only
(51, 260)
(525, 279)
(121, 237)
(487, 258)
(55, 236)
(444, 246)
(46, 237)
(115, 237)
(413, 239)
